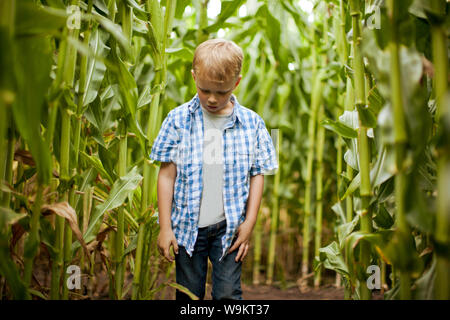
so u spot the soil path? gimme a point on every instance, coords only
(265, 292)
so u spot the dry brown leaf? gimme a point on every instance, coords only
(63, 209)
(17, 232)
(101, 236)
(25, 157)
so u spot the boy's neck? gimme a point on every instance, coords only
(228, 110)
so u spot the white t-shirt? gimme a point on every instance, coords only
(211, 205)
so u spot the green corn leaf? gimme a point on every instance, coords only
(340, 128)
(228, 8)
(375, 101)
(8, 217)
(97, 164)
(37, 294)
(383, 218)
(87, 179)
(181, 7)
(131, 247)
(332, 258)
(184, 53)
(127, 87)
(345, 229)
(32, 69)
(337, 208)
(109, 157)
(115, 30)
(366, 117)
(169, 15)
(119, 192)
(297, 15)
(183, 289)
(424, 286)
(351, 157)
(145, 97)
(137, 10)
(48, 237)
(100, 4)
(400, 251)
(33, 20)
(95, 68)
(434, 10)
(379, 240)
(272, 28)
(153, 40)
(129, 92)
(9, 270)
(381, 172)
(156, 23)
(87, 51)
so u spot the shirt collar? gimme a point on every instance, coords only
(236, 115)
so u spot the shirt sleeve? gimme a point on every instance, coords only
(165, 146)
(265, 156)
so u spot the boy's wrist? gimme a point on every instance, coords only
(250, 219)
(165, 227)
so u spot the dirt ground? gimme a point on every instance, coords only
(264, 292)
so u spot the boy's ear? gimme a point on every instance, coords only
(238, 80)
(193, 74)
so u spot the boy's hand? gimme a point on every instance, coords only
(166, 239)
(244, 234)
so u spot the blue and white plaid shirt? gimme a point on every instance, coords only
(247, 151)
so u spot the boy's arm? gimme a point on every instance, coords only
(245, 229)
(166, 237)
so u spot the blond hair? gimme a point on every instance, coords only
(218, 59)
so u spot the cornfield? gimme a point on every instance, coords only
(358, 91)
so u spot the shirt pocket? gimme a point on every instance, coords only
(189, 172)
(242, 165)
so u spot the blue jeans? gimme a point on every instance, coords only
(191, 271)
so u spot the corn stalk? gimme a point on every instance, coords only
(442, 233)
(161, 30)
(320, 144)
(363, 143)
(202, 19)
(273, 221)
(400, 140)
(343, 50)
(316, 98)
(264, 92)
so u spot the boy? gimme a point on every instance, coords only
(213, 153)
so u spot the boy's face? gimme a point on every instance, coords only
(215, 96)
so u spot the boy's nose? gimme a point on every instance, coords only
(212, 99)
